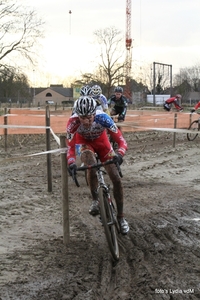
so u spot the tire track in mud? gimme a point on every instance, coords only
(161, 250)
(146, 252)
(163, 253)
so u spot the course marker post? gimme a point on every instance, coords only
(65, 194)
(5, 129)
(175, 125)
(190, 120)
(48, 148)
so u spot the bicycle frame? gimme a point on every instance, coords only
(107, 209)
(101, 181)
(106, 190)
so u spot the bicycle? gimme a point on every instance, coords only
(195, 127)
(108, 214)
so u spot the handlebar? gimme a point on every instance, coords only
(96, 166)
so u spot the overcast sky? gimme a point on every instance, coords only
(165, 31)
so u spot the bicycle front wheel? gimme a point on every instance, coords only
(194, 127)
(108, 222)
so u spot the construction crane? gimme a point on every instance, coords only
(128, 63)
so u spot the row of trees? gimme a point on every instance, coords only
(21, 31)
(110, 70)
(14, 86)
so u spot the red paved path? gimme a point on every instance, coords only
(58, 120)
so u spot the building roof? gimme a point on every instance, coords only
(66, 92)
(193, 95)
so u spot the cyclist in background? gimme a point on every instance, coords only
(96, 93)
(84, 91)
(88, 127)
(175, 101)
(120, 104)
(196, 107)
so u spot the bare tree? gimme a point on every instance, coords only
(13, 85)
(20, 30)
(191, 76)
(110, 70)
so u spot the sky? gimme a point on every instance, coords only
(163, 31)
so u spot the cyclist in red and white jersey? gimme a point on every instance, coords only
(88, 127)
(175, 101)
(196, 107)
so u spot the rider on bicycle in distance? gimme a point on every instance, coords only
(195, 107)
(175, 101)
(120, 104)
(84, 91)
(88, 127)
(96, 93)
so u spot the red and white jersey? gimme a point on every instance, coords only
(173, 100)
(96, 135)
(197, 105)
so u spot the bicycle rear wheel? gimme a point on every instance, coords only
(109, 223)
(194, 126)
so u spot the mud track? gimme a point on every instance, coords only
(159, 258)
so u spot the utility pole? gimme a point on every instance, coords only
(128, 63)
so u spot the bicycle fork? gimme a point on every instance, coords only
(103, 184)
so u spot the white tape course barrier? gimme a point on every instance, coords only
(58, 151)
(57, 139)
(63, 150)
(155, 128)
(35, 127)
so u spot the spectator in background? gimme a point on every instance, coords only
(175, 101)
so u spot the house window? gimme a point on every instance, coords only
(48, 95)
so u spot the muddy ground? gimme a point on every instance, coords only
(159, 258)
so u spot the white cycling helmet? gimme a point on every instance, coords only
(96, 90)
(85, 90)
(85, 106)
